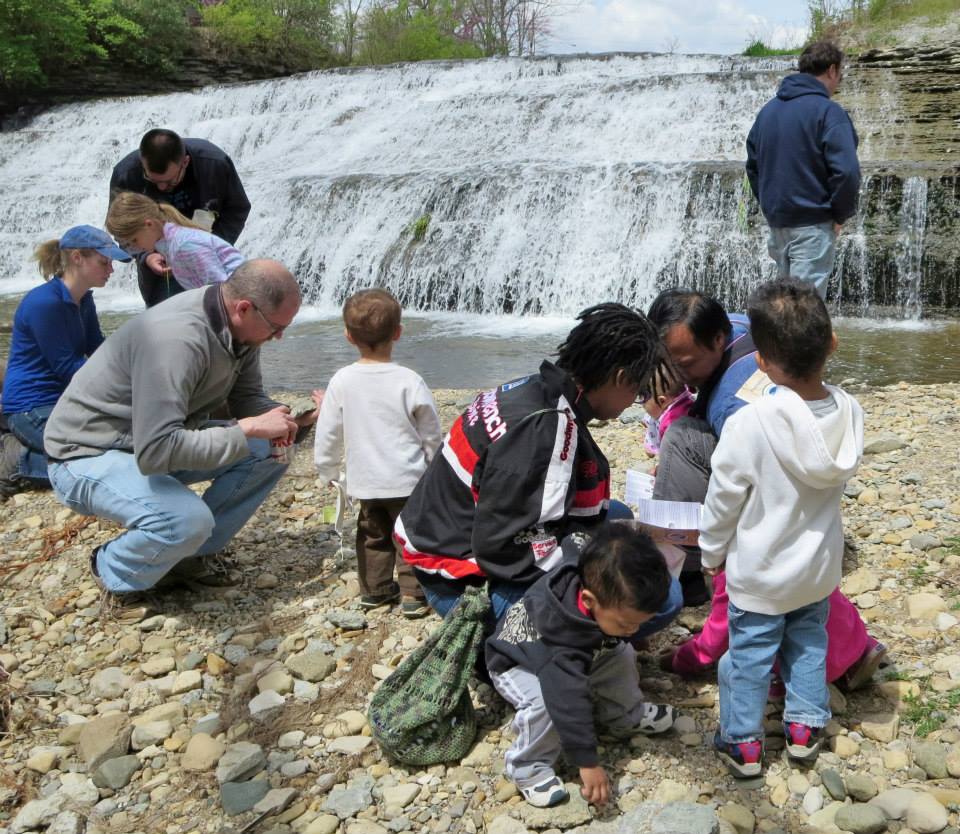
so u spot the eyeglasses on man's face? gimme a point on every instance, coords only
(274, 327)
(169, 181)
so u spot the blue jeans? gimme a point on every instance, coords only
(805, 253)
(27, 427)
(165, 521)
(800, 639)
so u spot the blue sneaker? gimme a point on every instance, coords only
(743, 759)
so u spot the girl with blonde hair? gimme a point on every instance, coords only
(55, 330)
(188, 252)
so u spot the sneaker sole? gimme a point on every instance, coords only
(868, 668)
(803, 754)
(738, 770)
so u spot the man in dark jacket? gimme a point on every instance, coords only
(802, 166)
(194, 176)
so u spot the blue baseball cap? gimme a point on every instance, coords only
(90, 237)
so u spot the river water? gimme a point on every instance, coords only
(476, 351)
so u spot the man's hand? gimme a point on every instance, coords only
(275, 424)
(714, 571)
(596, 786)
(837, 228)
(308, 418)
(156, 263)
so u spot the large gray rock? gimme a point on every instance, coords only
(241, 761)
(861, 787)
(109, 683)
(833, 782)
(925, 815)
(311, 665)
(237, 797)
(894, 802)
(861, 819)
(574, 811)
(348, 802)
(116, 773)
(67, 822)
(932, 758)
(686, 817)
(104, 738)
(878, 444)
(347, 620)
(38, 813)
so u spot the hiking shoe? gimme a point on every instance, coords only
(124, 607)
(10, 451)
(743, 759)
(202, 573)
(546, 794)
(657, 718)
(368, 602)
(414, 608)
(803, 742)
(864, 669)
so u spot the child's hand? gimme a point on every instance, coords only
(714, 571)
(596, 786)
(317, 396)
(156, 263)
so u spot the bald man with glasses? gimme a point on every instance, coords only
(193, 175)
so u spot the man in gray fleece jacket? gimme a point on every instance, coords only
(133, 429)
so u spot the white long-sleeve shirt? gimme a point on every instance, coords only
(381, 417)
(773, 505)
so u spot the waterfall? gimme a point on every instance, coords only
(535, 186)
(913, 221)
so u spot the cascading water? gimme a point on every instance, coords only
(913, 221)
(536, 186)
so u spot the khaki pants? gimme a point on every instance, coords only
(377, 553)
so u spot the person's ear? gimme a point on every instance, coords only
(588, 599)
(834, 341)
(620, 377)
(397, 332)
(762, 364)
(186, 160)
(348, 337)
(720, 341)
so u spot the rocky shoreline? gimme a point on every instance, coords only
(245, 712)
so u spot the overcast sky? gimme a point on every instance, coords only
(688, 25)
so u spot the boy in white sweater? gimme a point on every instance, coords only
(772, 514)
(384, 416)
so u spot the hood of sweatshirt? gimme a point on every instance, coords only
(801, 84)
(553, 604)
(819, 452)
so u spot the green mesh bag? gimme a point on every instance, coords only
(422, 714)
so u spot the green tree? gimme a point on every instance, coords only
(299, 32)
(39, 36)
(405, 31)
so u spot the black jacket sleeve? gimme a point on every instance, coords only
(234, 205)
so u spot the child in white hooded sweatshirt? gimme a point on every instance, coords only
(772, 514)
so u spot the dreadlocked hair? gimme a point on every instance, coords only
(610, 337)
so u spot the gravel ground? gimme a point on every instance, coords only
(245, 711)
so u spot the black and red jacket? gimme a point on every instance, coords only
(517, 473)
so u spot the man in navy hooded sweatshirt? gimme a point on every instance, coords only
(802, 166)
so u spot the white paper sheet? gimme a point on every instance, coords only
(639, 486)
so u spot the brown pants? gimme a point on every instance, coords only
(377, 552)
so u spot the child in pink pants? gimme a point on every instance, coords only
(852, 655)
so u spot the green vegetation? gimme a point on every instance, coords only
(929, 712)
(418, 228)
(40, 38)
(869, 23)
(758, 49)
(297, 32)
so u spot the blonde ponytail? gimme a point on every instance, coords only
(51, 259)
(129, 213)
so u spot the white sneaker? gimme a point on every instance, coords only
(657, 718)
(545, 794)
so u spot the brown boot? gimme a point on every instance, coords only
(124, 607)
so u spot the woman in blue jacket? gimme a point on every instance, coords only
(55, 329)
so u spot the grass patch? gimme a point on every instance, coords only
(418, 228)
(758, 49)
(929, 712)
